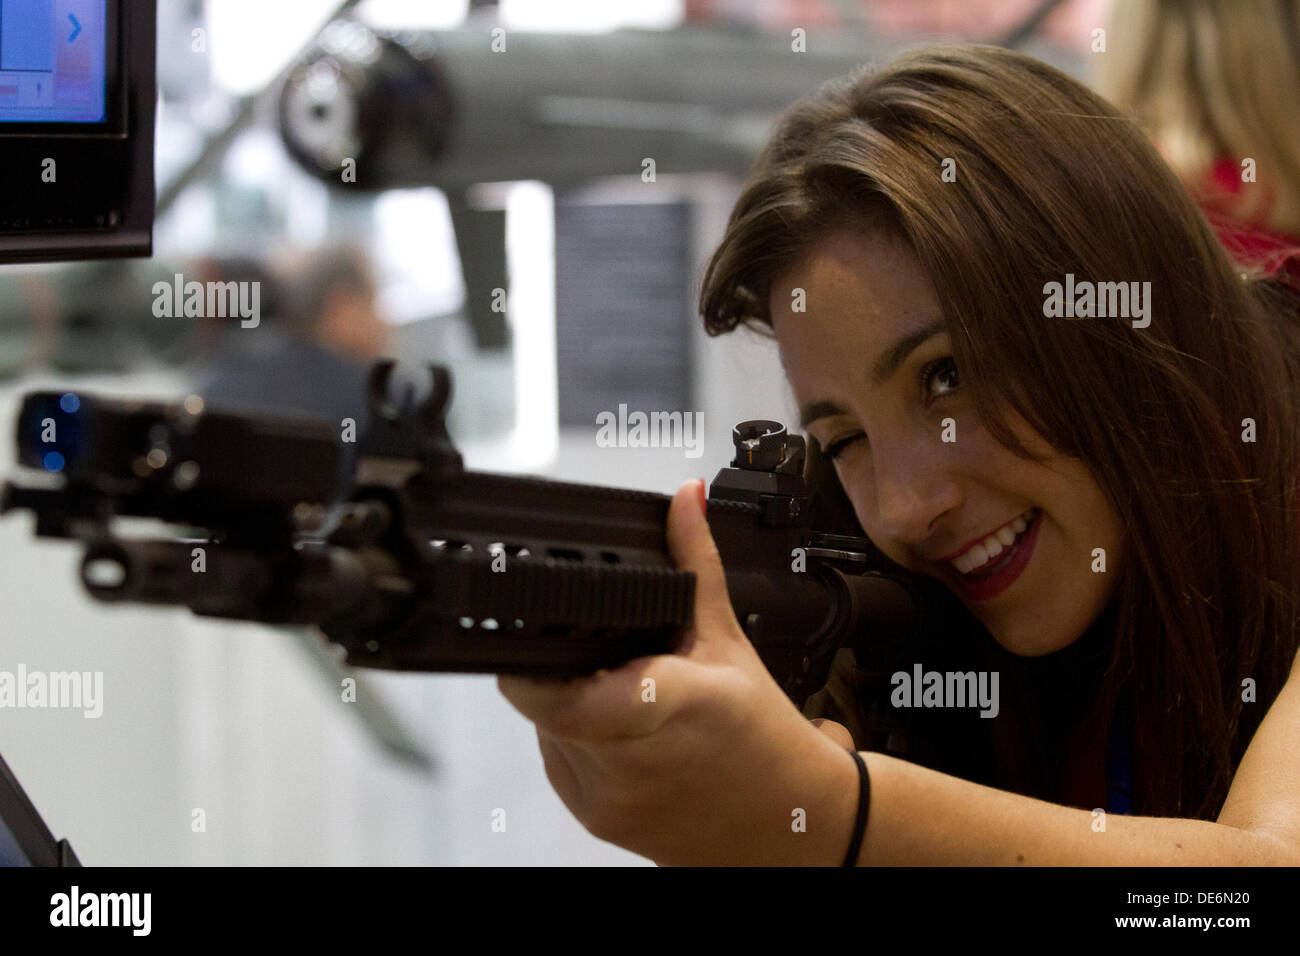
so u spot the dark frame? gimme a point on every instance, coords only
(29, 831)
(110, 166)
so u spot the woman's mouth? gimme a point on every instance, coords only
(988, 568)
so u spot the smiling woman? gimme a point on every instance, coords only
(1087, 488)
(967, 511)
(896, 237)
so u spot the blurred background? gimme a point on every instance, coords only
(524, 191)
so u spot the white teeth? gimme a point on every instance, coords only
(992, 546)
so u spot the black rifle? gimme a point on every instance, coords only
(410, 562)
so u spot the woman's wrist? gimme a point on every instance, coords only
(864, 808)
(831, 818)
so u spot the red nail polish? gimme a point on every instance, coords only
(704, 500)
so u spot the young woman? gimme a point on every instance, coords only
(1120, 468)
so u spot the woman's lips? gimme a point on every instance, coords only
(985, 584)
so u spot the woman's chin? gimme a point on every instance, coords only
(1027, 634)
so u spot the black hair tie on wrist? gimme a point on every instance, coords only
(864, 803)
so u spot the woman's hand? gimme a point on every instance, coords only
(695, 757)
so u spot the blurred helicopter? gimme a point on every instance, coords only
(482, 104)
(367, 110)
(479, 104)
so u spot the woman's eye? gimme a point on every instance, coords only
(939, 378)
(835, 448)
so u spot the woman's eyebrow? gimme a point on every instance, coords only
(896, 354)
(815, 410)
(884, 367)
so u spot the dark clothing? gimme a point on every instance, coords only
(292, 378)
(1047, 740)
(295, 378)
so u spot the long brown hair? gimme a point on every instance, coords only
(1209, 81)
(1050, 179)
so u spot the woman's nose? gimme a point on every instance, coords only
(913, 489)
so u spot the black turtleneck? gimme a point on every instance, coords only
(1048, 705)
(1051, 715)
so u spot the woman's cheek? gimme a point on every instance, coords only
(862, 496)
(854, 482)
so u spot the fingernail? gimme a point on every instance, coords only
(704, 500)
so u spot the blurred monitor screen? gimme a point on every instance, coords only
(53, 61)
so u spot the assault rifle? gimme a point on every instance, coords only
(411, 562)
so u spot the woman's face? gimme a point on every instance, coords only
(872, 369)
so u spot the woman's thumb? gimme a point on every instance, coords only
(690, 542)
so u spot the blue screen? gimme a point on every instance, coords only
(53, 61)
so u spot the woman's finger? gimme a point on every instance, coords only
(631, 700)
(560, 771)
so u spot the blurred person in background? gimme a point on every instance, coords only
(1217, 86)
(90, 318)
(214, 333)
(309, 355)
(1063, 24)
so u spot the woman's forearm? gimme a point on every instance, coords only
(922, 817)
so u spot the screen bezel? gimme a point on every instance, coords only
(29, 831)
(114, 125)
